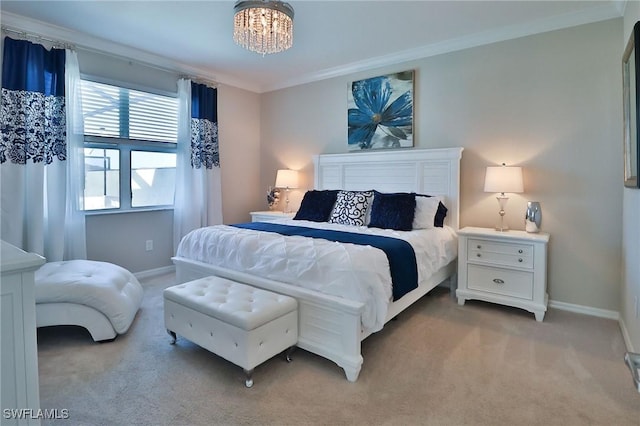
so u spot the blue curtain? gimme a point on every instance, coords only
(204, 127)
(32, 117)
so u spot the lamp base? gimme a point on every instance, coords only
(502, 225)
(286, 206)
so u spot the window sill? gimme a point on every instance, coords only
(120, 211)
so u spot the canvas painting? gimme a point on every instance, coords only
(380, 112)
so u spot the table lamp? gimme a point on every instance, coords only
(287, 179)
(503, 179)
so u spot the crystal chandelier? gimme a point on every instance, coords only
(263, 26)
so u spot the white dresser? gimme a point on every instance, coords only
(270, 215)
(509, 268)
(19, 352)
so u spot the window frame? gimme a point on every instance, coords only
(124, 147)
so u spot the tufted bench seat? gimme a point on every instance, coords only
(240, 323)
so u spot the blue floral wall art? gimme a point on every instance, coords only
(380, 114)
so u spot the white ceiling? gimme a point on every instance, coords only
(330, 37)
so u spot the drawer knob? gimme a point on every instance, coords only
(520, 260)
(498, 281)
(520, 251)
(479, 246)
(478, 254)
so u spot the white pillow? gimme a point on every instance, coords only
(426, 209)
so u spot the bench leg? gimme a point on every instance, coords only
(249, 381)
(288, 353)
(173, 337)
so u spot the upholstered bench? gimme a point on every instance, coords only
(242, 324)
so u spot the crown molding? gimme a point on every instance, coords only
(611, 10)
(87, 42)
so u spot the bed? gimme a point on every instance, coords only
(330, 325)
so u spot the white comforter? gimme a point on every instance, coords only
(354, 272)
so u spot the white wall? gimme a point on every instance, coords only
(631, 230)
(550, 103)
(239, 135)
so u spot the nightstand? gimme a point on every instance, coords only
(270, 215)
(508, 267)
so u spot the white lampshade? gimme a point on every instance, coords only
(503, 179)
(286, 178)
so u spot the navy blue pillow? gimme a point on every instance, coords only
(393, 211)
(316, 206)
(440, 215)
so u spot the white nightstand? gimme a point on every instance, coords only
(509, 268)
(269, 215)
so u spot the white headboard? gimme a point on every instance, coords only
(424, 171)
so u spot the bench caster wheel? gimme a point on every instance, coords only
(249, 381)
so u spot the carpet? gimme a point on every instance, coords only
(437, 364)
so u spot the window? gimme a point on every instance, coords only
(101, 179)
(153, 176)
(130, 147)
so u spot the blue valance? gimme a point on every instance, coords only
(32, 114)
(31, 67)
(204, 127)
(204, 102)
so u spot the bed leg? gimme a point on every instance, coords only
(249, 381)
(453, 285)
(174, 337)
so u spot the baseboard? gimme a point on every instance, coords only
(150, 273)
(625, 336)
(586, 310)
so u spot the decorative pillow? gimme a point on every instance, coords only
(430, 212)
(351, 207)
(393, 211)
(440, 215)
(316, 206)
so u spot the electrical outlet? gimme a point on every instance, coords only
(149, 245)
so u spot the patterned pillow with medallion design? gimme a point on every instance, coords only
(351, 208)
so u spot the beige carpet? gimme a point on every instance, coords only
(438, 364)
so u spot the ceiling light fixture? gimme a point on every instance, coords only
(263, 26)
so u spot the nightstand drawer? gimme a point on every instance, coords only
(508, 254)
(270, 215)
(500, 281)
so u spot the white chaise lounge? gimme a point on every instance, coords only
(99, 296)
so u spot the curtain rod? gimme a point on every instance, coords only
(65, 45)
(200, 80)
(38, 38)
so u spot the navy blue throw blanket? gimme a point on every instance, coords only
(402, 258)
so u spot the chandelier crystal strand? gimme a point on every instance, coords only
(263, 26)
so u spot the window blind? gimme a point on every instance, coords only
(118, 112)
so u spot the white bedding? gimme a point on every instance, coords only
(355, 272)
